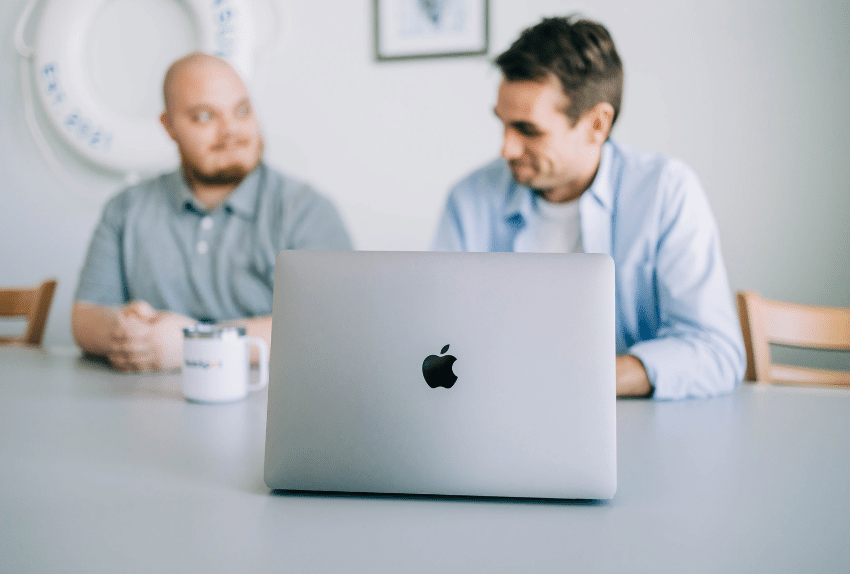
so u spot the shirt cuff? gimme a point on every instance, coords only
(679, 368)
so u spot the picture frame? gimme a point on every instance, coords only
(415, 29)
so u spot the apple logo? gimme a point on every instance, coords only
(438, 370)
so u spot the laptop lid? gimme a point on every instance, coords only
(475, 374)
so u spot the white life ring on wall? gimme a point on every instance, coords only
(100, 134)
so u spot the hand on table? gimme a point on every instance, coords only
(632, 379)
(144, 339)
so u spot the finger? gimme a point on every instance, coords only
(119, 328)
(128, 340)
(118, 361)
(134, 362)
(133, 328)
(141, 309)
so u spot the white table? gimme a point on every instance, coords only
(103, 472)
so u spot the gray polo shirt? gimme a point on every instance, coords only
(156, 243)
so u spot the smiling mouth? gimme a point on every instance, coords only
(230, 145)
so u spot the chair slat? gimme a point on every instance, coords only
(31, 303)
(765, 322)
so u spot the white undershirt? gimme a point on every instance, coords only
(556, 228)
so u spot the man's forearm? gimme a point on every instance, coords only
(93, 327)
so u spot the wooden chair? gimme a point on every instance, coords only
(764, 321)
(31, 303)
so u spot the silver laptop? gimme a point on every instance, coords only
(471, 374)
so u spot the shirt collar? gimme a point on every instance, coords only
(602, 189)
(520, 198)
(242, 200)
(519, 202)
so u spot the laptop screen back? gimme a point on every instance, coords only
(477, 374)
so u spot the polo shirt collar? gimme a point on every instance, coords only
(242, 200)
(182, 199)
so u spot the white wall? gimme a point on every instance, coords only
(752, 94)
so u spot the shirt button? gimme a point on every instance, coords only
(206, 223)
(203, 247)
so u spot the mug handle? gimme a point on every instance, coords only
(263, 379)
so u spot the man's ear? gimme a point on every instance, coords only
(601, 117)
(165, 120)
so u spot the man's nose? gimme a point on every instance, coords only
(511, 145)
(228, 126)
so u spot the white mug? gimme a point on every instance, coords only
(217, 364)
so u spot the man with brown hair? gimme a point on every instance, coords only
(562, 186)
(197, 244)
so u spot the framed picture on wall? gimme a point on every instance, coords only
(406, 29)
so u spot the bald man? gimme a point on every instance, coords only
(197, 244)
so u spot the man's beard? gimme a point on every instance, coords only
(229, 176)
(232, 175)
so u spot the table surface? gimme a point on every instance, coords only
(107, 472)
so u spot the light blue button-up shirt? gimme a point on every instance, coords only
(651, 215)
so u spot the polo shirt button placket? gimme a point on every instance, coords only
(206, 224)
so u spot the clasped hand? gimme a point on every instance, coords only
(144, 339)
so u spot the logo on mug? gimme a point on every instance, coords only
(201, 364)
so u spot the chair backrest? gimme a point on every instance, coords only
(31, 303)
(765, 322)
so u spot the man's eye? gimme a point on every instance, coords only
(528, 131)
(203, 117)
(243, 110)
